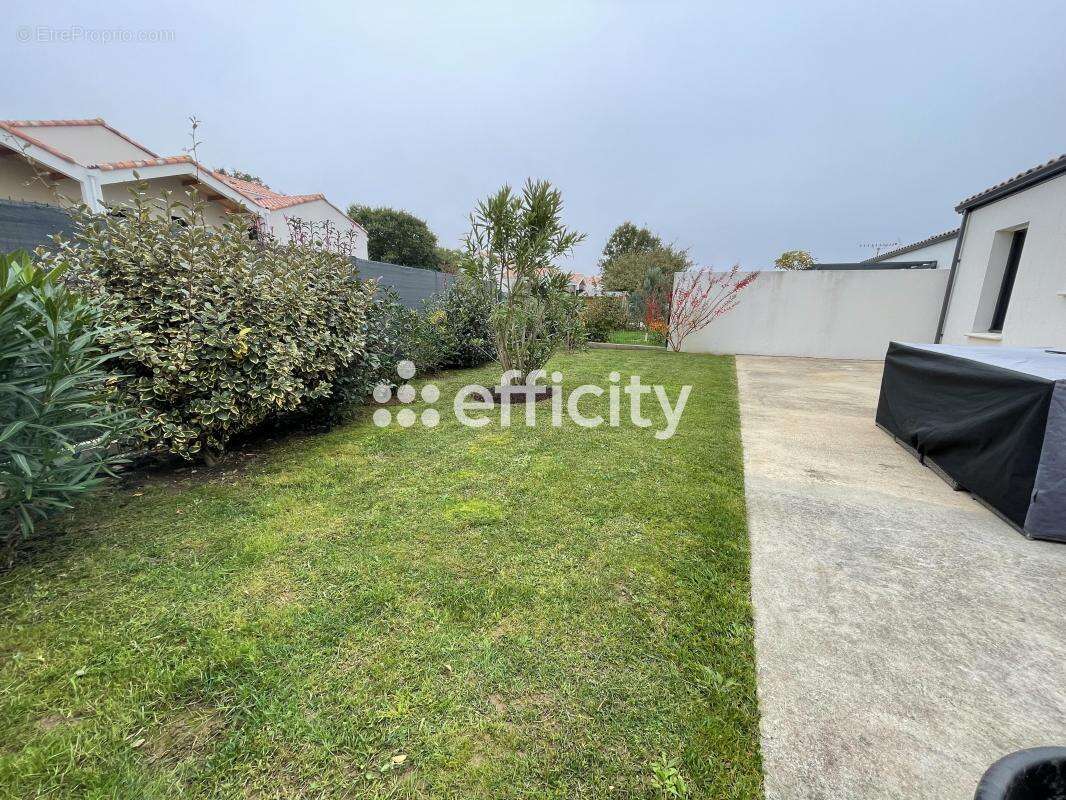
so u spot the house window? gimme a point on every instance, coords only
(1010, 272)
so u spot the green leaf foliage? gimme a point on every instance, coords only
(397, 237)
(214, 333)
(58, 421)
(602, 315)
(449, 259)
(626, 272)
(455, 330)
(794, 259)
(514, 241)
(628, 238)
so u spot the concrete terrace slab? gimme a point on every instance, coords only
(906, 637)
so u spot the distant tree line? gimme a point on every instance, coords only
(633, 256)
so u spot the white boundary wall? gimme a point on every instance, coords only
(828, 314)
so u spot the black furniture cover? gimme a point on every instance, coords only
(1038, 773)
(993, 419)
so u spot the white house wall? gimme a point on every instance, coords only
(828, 314)
(87, 144)
(317, 212)
(1036, 316)
(19, 181)
(941, 253)
(120, 194)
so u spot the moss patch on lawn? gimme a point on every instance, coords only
(423, 612)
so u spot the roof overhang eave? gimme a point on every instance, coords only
(43, 156)
(190, 170)
(1026, 181)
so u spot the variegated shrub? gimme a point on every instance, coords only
(216, 332)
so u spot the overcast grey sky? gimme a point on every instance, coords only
(737, 130)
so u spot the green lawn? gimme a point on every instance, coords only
(447, 612)
(635, 337)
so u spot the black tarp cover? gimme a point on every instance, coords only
(991, 418)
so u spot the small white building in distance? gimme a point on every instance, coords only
(939, 248)
(88, 161)
(588, 285)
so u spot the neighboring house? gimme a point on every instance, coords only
(588, 285)
(88, 161)
(1008, 281)
(577, 283)
(591, 286)
(277, 209)
(939, 248)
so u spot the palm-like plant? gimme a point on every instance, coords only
(56, 422)
(513, 242)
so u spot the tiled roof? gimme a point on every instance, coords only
(1022, 180)
(257, 193)
(52, 123)
(267, 198)
(250, 189)
(575, 279)
(11, 125)
(286, 200)
(35, 142)
(143, 162)
(940, 237)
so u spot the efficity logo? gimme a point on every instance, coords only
(473, 402)
(406, 393)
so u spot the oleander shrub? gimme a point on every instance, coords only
(215, 333)
(603, 315)
(514, 240)
(58, 420)
(540, 317)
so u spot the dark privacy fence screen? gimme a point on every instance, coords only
(24, 226)
(414, 286)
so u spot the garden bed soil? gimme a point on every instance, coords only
(521, 394)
